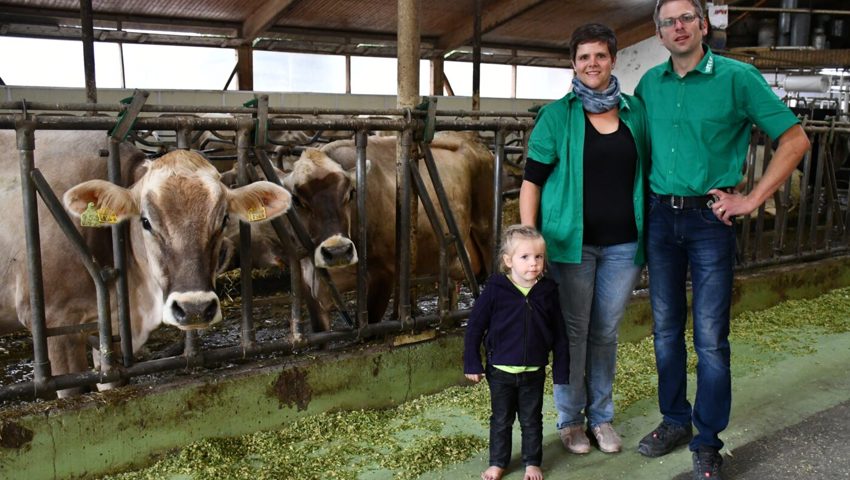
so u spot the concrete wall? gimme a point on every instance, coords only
(635, 60)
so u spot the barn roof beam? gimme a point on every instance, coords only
(493, 16)
(635, 32)
(71, 17)
(263, 18)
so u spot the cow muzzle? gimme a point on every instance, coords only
(191, 310)
(335, 252)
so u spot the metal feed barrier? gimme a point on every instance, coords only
(814, 229)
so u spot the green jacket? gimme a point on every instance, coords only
(558, 138)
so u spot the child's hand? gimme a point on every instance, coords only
(474, 377)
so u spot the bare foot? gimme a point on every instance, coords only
(493, 473)
(533, 472)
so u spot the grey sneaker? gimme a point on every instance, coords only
(575, 439)
(664, 439)
(707, 463)
(607, 438)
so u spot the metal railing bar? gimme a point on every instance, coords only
(403, 228)
(361, 140)
(94, 269)
(183, 126)
(243, 145)
(448, 215)
(443, 239)
(495, 238)
(25, 138)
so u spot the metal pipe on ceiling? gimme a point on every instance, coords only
(476, 57)
(87, 36)
(733, 8)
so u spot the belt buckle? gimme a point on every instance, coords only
(677, 205)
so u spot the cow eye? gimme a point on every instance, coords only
(146, 224)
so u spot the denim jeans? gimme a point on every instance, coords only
(679, 239)
(515, 395)
(594, 295)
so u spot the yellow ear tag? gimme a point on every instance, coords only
(105, 215)
(89, 218)
(257, 213)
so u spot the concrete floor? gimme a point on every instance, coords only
(813, 448)
(789, 420)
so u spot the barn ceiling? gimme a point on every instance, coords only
(524, 32)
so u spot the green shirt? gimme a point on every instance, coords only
(700, 124)
(558, 138)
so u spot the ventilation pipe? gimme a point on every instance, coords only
(784, 33)
(807, 83)
(800, 27)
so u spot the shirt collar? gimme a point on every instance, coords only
(705, 66)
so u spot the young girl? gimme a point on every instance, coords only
(518, 317)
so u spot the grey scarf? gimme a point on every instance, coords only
(598, 102)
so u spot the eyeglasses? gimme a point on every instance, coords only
(685, 19)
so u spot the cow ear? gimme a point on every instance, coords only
(245, 202)
(352, 173)
(139, 170)
(288, 182)
(230, 178)
(287, 164)
(104, 195)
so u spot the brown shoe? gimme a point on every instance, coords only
(607, 438)
(574, 439)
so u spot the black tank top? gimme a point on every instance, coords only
(610, 162)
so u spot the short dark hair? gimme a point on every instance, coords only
(593, 32)
(660, 3)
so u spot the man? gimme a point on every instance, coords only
(700, 109)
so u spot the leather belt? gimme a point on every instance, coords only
(679, 202)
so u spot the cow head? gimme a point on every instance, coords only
(323, 193)
(180, 209)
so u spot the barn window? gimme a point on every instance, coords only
(56, 63)
(60, 64)
(298, 72)
(177, 67)
(542, 82)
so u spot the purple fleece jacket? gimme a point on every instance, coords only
(517, 330)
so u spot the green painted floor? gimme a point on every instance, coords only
(774, 397)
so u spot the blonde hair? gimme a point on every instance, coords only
(511, 235)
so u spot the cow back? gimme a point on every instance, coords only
(465, 167)
(65, 158)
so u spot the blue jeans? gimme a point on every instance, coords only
(593, 295)
(515, 395)
(695, 238)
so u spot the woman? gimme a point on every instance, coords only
(584, 188)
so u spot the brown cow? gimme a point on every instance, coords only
(178, 210)
(323, 195)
